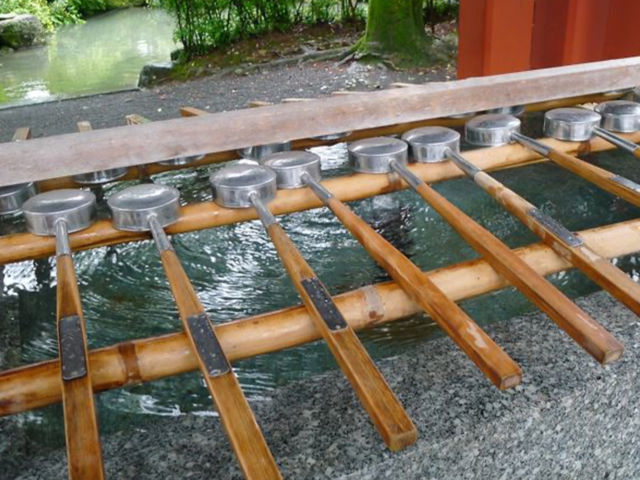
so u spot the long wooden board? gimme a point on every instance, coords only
(70, 154)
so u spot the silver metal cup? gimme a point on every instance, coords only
(491, 130)
(291, 166)
(13, 196)
(572, 124)
(181, 161)
(259, 152)
(77, 208)
(515, 110)
(100, 177)
(233, 186)
(619, 115)
(132, 207)
(432, 144)
(374, 155)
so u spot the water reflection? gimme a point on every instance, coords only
(104, 54)
(236, 272)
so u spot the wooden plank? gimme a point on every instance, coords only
(143, 360)
(218, 157)
(121, 146)
(21, 134)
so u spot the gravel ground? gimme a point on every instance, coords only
(571, 418)
(212, 93)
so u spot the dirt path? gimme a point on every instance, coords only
(211, 93)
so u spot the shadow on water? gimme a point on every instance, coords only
(236, 272)
(104, 54)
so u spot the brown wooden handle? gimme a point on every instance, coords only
(385, 410)
(80, 420)
(597, 268)
(484, 352)
(566, 314)
(596, 175)
(243, 431)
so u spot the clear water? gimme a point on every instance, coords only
(237, 273)
(104, 54)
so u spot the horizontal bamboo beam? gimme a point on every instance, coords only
(212, 158)
(198, 216)
(75, 153)
(143, 360)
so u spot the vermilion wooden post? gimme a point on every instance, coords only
(494, 36)
(499, 36)
(622, 36)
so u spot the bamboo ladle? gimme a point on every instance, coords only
(244, 186)
(151, 207)
(299, 169)
(497, 129)
(437, 144)
(57, 213)
(554, 234)
(578, 124)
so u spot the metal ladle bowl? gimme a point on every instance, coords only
(100, 177)
(234, 186)
(491, 130)
(132, 207)
(259, 152)
(432, 144)
(13, 196)
(77, 208)
(571, 124)
(374, 155)
(181, 161)
(619, 115)
(515, 110)
(290, 167)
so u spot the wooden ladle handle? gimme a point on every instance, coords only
(484, 352)
(80, 420)
(245, 436)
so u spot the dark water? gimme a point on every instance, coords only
(237, 273)
(104, 54)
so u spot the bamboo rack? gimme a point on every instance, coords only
(365, 115)
(144, 360)
(198, 216)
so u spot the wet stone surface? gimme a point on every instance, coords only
(570, 418)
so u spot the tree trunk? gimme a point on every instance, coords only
(395, 29)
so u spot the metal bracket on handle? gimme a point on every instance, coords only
(625, 182)
(207, 345)
(72, 359)
(324, 304)
(556, 228)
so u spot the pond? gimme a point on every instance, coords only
(104, 54)
(237, 273)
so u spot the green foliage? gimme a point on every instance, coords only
(59, 12)
(39, 8)
(207, 24)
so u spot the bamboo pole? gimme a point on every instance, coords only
(33, 386)
(212, 158)
(198, 216)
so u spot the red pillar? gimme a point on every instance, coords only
(494, 36)
(577, 31)
(622, 34)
